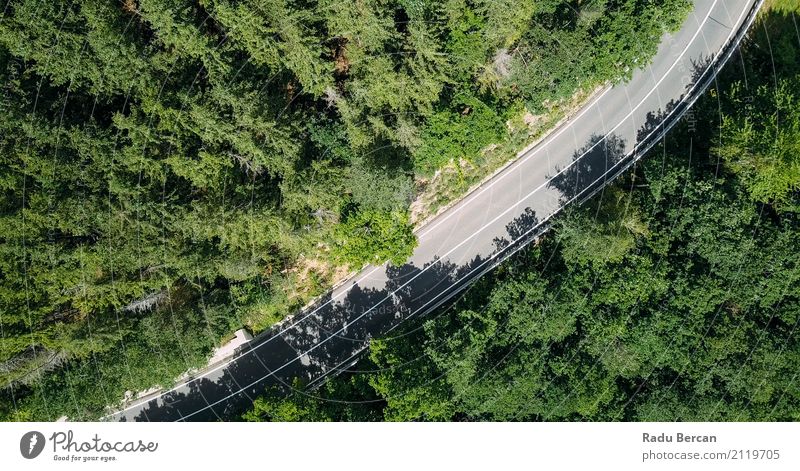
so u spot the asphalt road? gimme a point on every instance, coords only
(472, 236)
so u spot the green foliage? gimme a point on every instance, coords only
(605, 236)
(341, 400)
(450, 135)
(374, 237)
(270, 408)
(761, 142)
(164, 345)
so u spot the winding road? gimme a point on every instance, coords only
(506, 212)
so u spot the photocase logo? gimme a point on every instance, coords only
(31, 444)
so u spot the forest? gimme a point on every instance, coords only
(674, 295)
(173, 170)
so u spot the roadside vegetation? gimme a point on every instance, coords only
(672, 296)
(172, 170)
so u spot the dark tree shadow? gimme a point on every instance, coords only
(590, 168)
(518, 230)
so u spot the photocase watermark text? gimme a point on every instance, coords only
(65, 442)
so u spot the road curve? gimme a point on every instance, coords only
(472, 236)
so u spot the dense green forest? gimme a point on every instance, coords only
(172, 170)
(673, 295)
